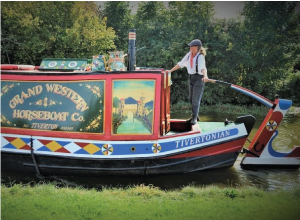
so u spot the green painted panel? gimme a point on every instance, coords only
(54, 105)
(64, 64)
(210, 126)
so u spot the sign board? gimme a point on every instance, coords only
(53, 105)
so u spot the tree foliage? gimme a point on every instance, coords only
(271, 34)
(152, 34)
(259, 50)
(256, 52)
(35, 30)
(119, 17)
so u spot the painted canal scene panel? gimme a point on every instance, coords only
(133, 106)
(53, 105)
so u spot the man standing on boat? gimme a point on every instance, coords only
(194, 61)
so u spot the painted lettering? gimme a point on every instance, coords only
(213, 136)
(201, 139)
(192, 141)
(177, 142)
(186, 142)
(40, 115)
(207, 137)
(16, 100)
(76, 117)
(44, 126)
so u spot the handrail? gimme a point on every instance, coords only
(247, 92)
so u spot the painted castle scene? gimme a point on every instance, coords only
(133, 106)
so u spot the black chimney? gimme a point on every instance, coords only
(131, 50)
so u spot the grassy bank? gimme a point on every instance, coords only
(231, 109)
(46, 201)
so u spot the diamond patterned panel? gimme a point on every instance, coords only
(91, 148)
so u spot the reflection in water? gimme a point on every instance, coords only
(288, 137)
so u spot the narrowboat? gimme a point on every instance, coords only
(79, 117)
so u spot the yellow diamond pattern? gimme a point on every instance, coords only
(18, 143)
(91, 148)
(54, 146)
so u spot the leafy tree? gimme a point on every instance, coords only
(224, 60)
(119, 18)
(150, 24)
(116, 102)
(35, 30)
(88, 35)
(271, 38)
(7, 40)
(259, 51)
(188, 21)
(290, 88)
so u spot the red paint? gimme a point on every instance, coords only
(253, 93)
(263, 135)
(17, 67)
(107, 135)
(62, 150)
(10, 139)
(82, 145)
(9, 67)
(26, 147)
(295, 152)
(45, 142)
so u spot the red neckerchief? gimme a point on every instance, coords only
(191, 61)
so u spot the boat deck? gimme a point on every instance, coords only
(204, 127)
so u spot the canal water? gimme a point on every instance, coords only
(235, 176)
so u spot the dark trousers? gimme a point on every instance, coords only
(196, 88)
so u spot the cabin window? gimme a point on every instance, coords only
(133, 107)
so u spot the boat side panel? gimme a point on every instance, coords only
(76, 166)
(63, 147)
(268, 128)
(215, 149)
(228, 147)
(108, 78)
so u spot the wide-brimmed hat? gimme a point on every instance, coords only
(195, 42)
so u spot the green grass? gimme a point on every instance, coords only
(47, 201)
(224, 108)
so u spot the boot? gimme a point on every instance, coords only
(190, 119)
(194, 120)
